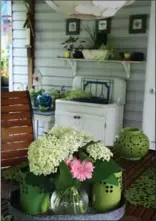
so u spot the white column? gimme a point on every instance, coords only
(149, 98)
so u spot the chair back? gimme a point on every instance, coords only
(16, 127)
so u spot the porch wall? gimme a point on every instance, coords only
(50, 33)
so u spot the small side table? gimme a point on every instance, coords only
(48, 118)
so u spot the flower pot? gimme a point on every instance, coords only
(106, 197)
(70, 201)
(67, 54)
(32, 200)
(132, 144)
(92, 54)
(77, 54)
(44, 100)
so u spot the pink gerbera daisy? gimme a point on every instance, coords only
(81, 171)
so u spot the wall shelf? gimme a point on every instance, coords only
(126, 64)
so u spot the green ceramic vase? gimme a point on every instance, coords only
(132, 144)
(32, 200)
(106, 197)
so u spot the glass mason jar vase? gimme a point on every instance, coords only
(70, 201)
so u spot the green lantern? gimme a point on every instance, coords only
(32, 200)
(106, 197)
(132, 144)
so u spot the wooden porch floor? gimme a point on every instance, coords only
(133, 169)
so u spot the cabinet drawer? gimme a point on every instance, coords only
(99, 110)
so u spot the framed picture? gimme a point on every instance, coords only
(72, 26)
(137, 24)
(103, 25)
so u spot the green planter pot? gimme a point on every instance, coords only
(106, 197)
(132, 144)
(32, 200)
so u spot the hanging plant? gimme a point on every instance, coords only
(29, 15)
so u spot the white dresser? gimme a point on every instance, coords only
(102, 121)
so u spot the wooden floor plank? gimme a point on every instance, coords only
(148, 214)
(139, 210)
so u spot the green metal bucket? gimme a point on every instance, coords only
(106, 197)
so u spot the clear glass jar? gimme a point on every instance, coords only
(70, 201)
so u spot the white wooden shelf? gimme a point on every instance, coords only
(126, 64)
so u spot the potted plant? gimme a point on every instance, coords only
(92, 48)
(69, 46)
(58, 94)
(60, 164)
(71, 49)
(112, 53)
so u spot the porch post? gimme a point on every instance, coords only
(149, 97)
(30, 49)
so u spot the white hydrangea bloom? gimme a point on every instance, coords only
(46, 154)
(98, 151)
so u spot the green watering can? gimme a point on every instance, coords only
(32, 200)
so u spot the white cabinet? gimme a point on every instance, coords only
(68, 119)
(94, 125)
(102, 121)
(89, 123)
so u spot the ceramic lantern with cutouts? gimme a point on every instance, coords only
(132, 144)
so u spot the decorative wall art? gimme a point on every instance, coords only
(72, 26)
(137, 24)
(103, 25)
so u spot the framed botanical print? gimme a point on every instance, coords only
(72, 26)
(103, 25)
(137, 24)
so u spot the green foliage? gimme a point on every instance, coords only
(112, 180)
(111, 55)
(33, 93)
(43, 109)
(69, 43)
(92, 37)
(77, 93)
(104, 169)
(57, 94)
(45, 183)
(6, 218)
(13, 173)
(65, 179)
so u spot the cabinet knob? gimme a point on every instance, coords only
(77, 117)
(152, 90)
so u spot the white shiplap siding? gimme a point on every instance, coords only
(50, 33)
(20, 63)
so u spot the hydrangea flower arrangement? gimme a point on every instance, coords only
(68, 157)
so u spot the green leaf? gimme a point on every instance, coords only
(112, 180)
(104, 169)
(64, 179)
(43, 182)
